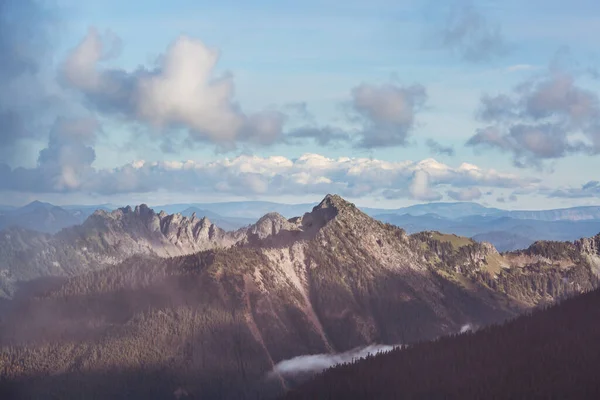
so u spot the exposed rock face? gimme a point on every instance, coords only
(213, 323)
(590, 248)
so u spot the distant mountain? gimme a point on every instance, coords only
(506, 233)
(242, 209)
(82, 212)
(38, 216)
(166, 305)
(552, 353)
(45, 217)
(565, 214)
(226, 223)
(460, 210)
(445, 210)
(33, 207)
(504, 241)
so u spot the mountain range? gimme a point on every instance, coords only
(506, 230)
(138, 304)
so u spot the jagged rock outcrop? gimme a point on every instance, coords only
(105, 238)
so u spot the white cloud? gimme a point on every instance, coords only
(545, 117)
(387, 113)
(250, 175)
(181, 92)
(419, 187)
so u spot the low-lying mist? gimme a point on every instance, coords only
(314, 363)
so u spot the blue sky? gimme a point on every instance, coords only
(344, 62)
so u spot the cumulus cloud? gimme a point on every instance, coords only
(64, 165)
(466, 194)
(438, 148)
(539, 120)
(419, 187)
(315, 363)
(386, 113)
(248, 175)
(382, 115)
(470, 35)
(180, 92)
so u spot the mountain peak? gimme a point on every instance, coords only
(36, 205)
(334, 201)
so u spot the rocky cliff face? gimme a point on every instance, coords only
(213, 323)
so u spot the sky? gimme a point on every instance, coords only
(387, 103)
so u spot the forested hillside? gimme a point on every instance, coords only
(552, 353)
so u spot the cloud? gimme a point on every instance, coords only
(386, 113)
(26, 34)
(466, 194)
(438, 148)
(511, 199)
(539, 120)
(382, 115)
(470, 35)
(315, 363)
(181, 92)
(244, 175)
(64, 165)
(300, 109)
(587, 190)
(419, 187)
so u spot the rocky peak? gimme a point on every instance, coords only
(336, 202)
(332, 207)
(143, 209)
(270, 225)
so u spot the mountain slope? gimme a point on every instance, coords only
(213, 323)
(551, 353)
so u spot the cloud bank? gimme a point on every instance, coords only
(65, 166)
